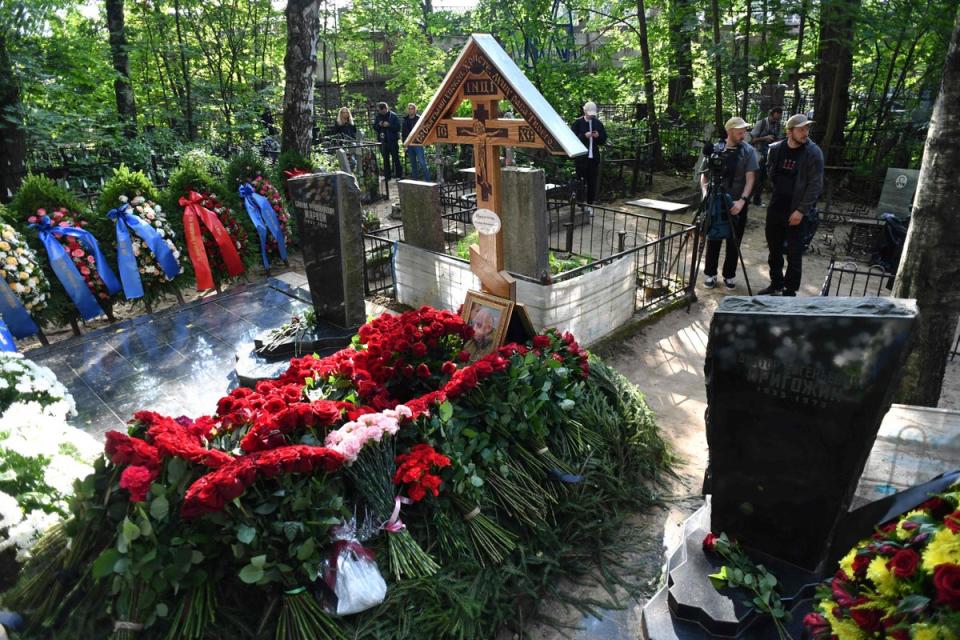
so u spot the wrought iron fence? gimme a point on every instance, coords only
(850, 279)
(378, 251)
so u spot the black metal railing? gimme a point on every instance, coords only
(378, 252)
(850, 279)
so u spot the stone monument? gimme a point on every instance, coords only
(525, 224)
(329, 219)
(420, 210)
(899, 189)
(796, 391)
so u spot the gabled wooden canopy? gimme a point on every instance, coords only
(484, 73)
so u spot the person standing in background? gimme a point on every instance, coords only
(766, 132)
(590, 131)
(387, 125)
(416, 156)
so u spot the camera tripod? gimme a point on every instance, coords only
(716, 197)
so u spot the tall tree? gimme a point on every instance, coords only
(718, 71)
(122, 86)
(930, 267)
(745, 68)
(648, 88)
(300, 64)
(680, 83)
(13, 145)
(834, 68)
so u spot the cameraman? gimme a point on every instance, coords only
(738, 175)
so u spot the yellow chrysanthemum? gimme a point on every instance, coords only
(11, 260)
(5, 246)
(8, 233)
(846, 564)
(943, 548)
(883, 578)
(23, 275)
(904, 534)
(843, 629)
(931, 632)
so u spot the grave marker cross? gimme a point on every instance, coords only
(485, 75)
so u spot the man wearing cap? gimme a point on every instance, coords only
(765, 132)
(739, 178)
(591, 133)
(795, 170)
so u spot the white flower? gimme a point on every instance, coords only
(137, 201)
(156, 208)
(10, 512)
(25, 534)
(567, 404)
(124, 199)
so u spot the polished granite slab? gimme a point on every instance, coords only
(178, 362)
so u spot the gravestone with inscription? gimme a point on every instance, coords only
(329, 221)
(796, 391)
(899, 189)
(329, 218)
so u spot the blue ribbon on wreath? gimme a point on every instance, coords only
(128, 221)
(66, 271)
(264, 218)
(16, 317)
(6, 339)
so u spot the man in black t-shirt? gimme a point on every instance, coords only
(795, 172)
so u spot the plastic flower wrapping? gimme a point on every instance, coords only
(901, 583)
(41, 455)
(150, 212)
(85, 262)
(22, 270)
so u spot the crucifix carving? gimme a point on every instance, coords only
(485, 75)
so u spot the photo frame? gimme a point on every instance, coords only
(489, 317)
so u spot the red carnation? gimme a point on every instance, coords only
(946, 580)
(904, 563)
(448, 368)
(136, 480)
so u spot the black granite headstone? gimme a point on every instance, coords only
(796, 391)
(329, 219)
(899, 189)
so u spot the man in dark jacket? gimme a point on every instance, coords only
(416, 156)
(387, 125)
(590, 132)
(795, 172)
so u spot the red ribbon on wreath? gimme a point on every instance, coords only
(193, 213)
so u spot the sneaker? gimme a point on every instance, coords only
(788, 293)
(710, 282)
(730, 283)
(772, 290)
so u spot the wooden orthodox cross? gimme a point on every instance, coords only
(484, 74)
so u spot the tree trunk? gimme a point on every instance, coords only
(718, 72)
(834, 68)
(300, 64)
(930, 267)
(798, 57)
(185, 70)
(648, 88)
(13, 144)
(745, 81)
(680, 85)
(122, 86)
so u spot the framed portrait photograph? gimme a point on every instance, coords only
(489, 316)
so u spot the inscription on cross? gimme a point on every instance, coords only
(485, 75)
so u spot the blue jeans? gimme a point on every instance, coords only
(417, 158)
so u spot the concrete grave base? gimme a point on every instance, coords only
(590, 306)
